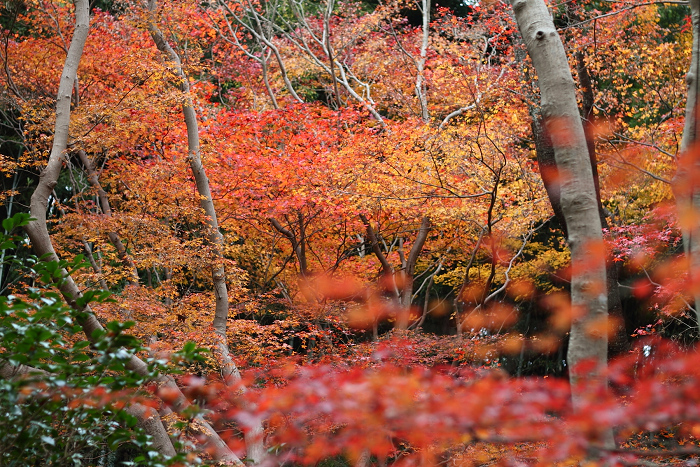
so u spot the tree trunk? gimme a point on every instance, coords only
(404, 293)
(421, 88)
(195, 160)
(107, 211)
(298, 244)
(253, 437)
(578, 199)
(150, 422)
(547, 166)
(147, 417)
(372, 236)
(685, 183)
(587, 102)
(409, 271)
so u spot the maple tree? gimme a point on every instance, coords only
(374, 236)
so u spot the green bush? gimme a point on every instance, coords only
(69, 408)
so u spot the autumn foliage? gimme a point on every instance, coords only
(397, 266)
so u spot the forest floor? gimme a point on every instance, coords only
(662, 448)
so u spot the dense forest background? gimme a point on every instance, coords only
(352, 209)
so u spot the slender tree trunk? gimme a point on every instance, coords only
(685, 183)
(107, 211)
(95, 267)
(578, 199)
(252, 20)
(404, 292)
(41, 241)
(387, 271)
(195, 161)
(386, 267)
(298, 244)
(409, 271)
(421, 88)
(264, 56)
(253, 437)
(329, 52)
(261, 30)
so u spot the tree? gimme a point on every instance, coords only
(230, 373)
(37, 228)
(579, 202)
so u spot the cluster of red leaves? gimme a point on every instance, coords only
(414, 415)
(647, 253)
(636, 243)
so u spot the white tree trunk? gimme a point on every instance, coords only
(421, 88)
(147, 417)
(255, 449)
(578, 197)
(41, 241)
(685, 183)
(195, 160)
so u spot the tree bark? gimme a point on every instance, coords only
(587, 102)
(550, 177)
(298, 244)
(685, 183)
(421, 88)
(150, 422)
(37, 228)
(577, 195)
(547, 166)
(404, 293)
(386, 267)
(409, 271)
(195, 161)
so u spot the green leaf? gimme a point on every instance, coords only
(7, 244)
